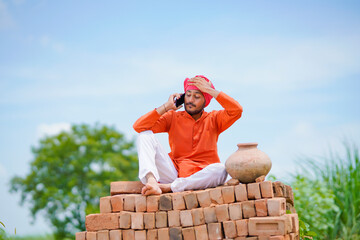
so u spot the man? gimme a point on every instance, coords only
(193, 162)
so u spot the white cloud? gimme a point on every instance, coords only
(6, 20)
(51, 129)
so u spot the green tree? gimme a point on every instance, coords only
(71, 170)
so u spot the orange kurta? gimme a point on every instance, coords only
(193, 143)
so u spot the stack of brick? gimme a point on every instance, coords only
(241, 211)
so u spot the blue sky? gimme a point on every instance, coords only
(293, 65)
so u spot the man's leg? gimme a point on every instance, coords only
(211, 176)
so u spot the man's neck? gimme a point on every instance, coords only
(197, 116)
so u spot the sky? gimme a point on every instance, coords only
(294, 66)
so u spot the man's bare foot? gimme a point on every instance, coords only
(151, 189)
(165, 188)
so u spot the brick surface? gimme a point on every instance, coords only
(125, 220)
(216, 196)
(248, 209)
(175, 233)
(103, 235)
(140, 203)
(276, 238)
(295, 222)
(276, 206)
(222, 212)
(230, 229)
(215, 231)
(235, 211)
(189, 233)
(128, 234)
(149, 220)
(288, 225)
(91, 235)
(102, 221)
(186, 218)
(201, 232)
(198, 216)
(137, 220)
(289, 195)
(152, 234)
(241, 193)
(165, 202)
(178, 201)
(203, 197)
(228, 194)
(232, 182)
(253, 191)
(140, 235)
(261, 207)
(80, 236)
(105, 205)
(210, 214)
(129, 203)
(174, 218)
(163, 234)
(242, 227)
(294, 236)
(122, 187)
(263, 237)
(115, 235)
(290, 207)
(279, 189)
(267, 226)
(161, 219)
(191, 200)
(152, 203)
(266, 189)
(117, 203)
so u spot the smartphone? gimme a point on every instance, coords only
(180, 100)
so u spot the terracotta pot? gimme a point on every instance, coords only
(248, 163)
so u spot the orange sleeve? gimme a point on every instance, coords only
(153, 121)
(232, 112)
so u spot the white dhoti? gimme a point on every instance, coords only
(153, 158)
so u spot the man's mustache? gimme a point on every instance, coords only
(190, 104)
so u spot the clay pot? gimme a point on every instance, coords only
(248, 163)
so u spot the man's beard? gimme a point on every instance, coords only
(193, 112)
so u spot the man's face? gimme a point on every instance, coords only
(194, 102)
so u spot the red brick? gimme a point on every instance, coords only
(175, 233)
(163, 234)
(102, 221)
(295, 222)
(201, 232)
(215, 231)
(232, 182)
(122, 187)
(266, 189)
(186, 218)
(152, 234)
(276, 206)
(242, 238)
(115, 235)
(294, 236)
(161, 219)
(248, 209)
(235, 211)
(253, 191)
(152, 203)
(137, 220)
(241, 193)
(222, 212)
(91, 235)
(267, 226)
(290, 207)
(228, 194)
(191, 200)
(117, 203)
(125, 220)
(140, 203)
(210, 214)
(140, 235)
(178, 201)
(103, 235)
(149, 220)
(276, 238)
(242, 227)
(174, 218)
(105, 205)
(165, 203)
(289, 225)
(189, 233)
(261, 207)
(289, 195)
(230, 229)
(203, 197)
(279, 189)
(80, 236)
(128, 234)
(263, 237)
(252, 238)
(216, 196)
(129, 203)
(198, 216)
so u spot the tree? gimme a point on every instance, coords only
(71, 170)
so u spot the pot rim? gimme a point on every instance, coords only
(244, 145)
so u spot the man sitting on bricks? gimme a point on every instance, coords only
(193, 162)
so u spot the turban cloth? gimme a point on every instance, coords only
(207, 96)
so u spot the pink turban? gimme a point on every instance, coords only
(207, 96)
